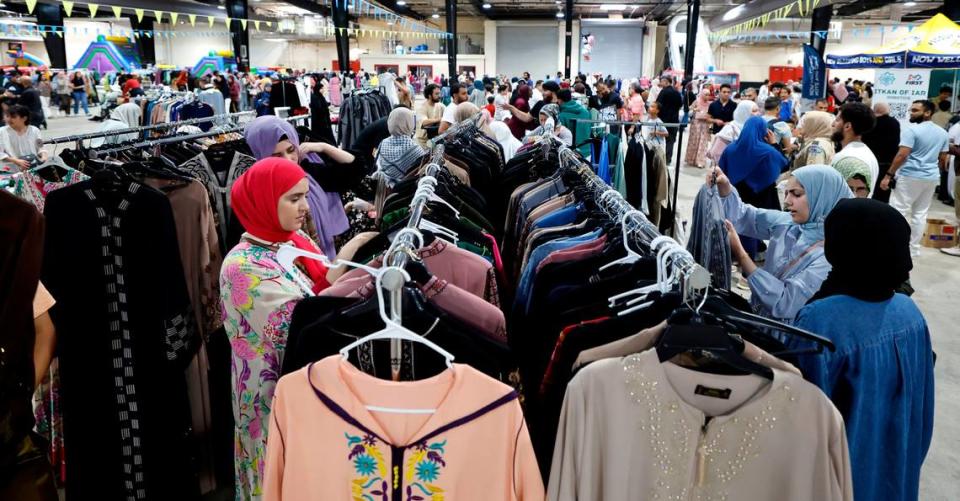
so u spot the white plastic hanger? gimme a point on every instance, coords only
(394, 330)
(663, 284)
(287, 254)
(631, 256)
(659, 246)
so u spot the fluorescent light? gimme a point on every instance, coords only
(435, 16)
(734, 13)
(910, 4)
(401, 3)
(560, 15)
(613, 6)
(277, 40)
(486, 6)
(221, 7)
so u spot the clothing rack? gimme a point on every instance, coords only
(181, 138)
(404, 245)
(165, 125)
(693, 276)
(472, 122)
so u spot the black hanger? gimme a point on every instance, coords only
(688, 331)
(719, 307)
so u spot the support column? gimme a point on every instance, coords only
(951, 9)
(340, 20)
(49, 14)
(239, 36)
(820, 22)
(146, 46)
(451, 6)
(568, 42)
(689, 49)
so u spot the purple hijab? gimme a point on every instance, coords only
(262, 135)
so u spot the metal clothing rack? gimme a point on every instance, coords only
(470, 123)
(176, 139)
(694, 276)
(404, 246)
(165, 125)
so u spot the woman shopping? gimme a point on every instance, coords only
(795, 265)
(78, 89)
(731, 131)
(258, 297)
(331, 170)
(550, 119)
(399, 153)
(699, 129)
(816, 146)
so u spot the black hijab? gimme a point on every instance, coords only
(868, 245)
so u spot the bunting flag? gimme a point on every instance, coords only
(256, 24)
(30, 6)
(158, 14)
(269, 24)
(139, 15)
(193, 19)
(173, 18)
(243, 24)
(93, 9)
(59, 34)
(116, 11)
(210, 21)
(227, 22)
(67, 7)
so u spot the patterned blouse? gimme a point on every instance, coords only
(258, 297)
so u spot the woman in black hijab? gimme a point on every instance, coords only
(320, 127)
(880, 377)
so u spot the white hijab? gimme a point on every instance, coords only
(503, 136)
(731, 131)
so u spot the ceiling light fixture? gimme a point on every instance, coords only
(734, 13)
(401, 3)
(613, 6)
(436, 16)
(221, 7)
(560, 15)
(486, 6)
(910, 4)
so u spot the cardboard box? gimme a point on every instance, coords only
(939, 234)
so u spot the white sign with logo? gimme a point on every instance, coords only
(900, 88)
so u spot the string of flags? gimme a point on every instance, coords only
(361, 7)
(43, 30)
(766, 36)
(803, 8)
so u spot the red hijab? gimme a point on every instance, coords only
(255, 196)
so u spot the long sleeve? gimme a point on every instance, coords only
(528, 486)
(749, 220)
(565, 468)
(784, 298)
(840, 460)
(276, 451)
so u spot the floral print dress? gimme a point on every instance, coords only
(258, 297)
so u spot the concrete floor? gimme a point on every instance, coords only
(932, 276)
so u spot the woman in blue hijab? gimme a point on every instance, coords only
(795, 265)
(753, 166)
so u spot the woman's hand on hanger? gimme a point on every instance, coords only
(737, 252)
(19, 162)
(723, 182)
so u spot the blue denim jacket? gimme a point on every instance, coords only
(881, 380)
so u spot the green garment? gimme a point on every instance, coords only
(573, 110)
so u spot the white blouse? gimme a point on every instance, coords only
(632, 428)
(20, 145)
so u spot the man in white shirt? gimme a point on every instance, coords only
(852, 122)
(916, 168)
(458, 94)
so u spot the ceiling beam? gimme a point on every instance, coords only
(860, 6)
(309, 6)
(399, 10)
(487, 13)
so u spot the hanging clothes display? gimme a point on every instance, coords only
(360, 109)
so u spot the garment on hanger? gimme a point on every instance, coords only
(636, 428)
(125, 405)
(474, 445)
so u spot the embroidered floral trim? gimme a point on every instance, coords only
(423, 467)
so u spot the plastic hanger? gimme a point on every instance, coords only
(664, 280)
(287, 254)
(631, 256)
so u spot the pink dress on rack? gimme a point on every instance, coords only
(336, 95)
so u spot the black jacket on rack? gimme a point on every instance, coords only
(359, 110)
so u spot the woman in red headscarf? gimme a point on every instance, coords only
(522, 103)
(258, 297)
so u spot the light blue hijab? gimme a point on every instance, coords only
(825, 188)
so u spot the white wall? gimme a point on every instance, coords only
(188, 47)
(292, 54)
(437, 61)
(87, 32)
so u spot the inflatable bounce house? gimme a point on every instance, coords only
(110, 53)
(221, 60)
(22, 59)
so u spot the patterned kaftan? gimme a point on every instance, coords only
(258, 297)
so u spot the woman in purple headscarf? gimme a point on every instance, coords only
(331, 170)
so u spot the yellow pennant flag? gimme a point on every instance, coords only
(93, 9)
(228, 22)
(67, 7)
(256, 24)
(159, 15)
(210, 21)
(116, 11)
(193, 19)
(43, 34)
(173, 18)
(30, 5)
(139, 15)
(60, 34)
(243, 24)
(269, 24)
